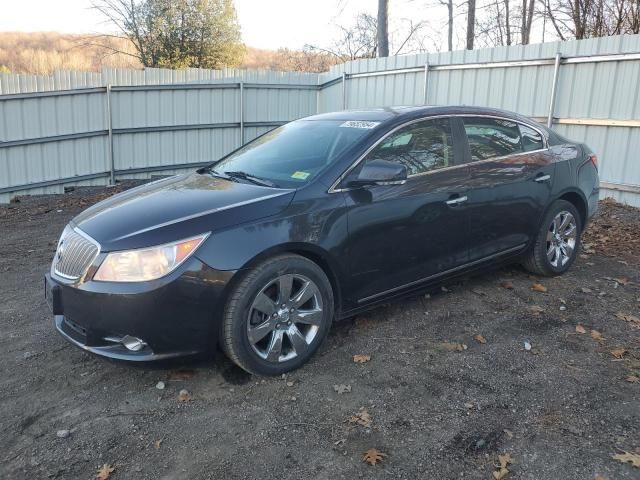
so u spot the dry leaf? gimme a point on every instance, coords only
(480, 339)
(361, 418)
(586, 290)
(596, 335)
(600, 477)
(628, 457)
(538, 287)
(580, 329)
(373, 456)
(536, 309)
(618, 352)
(500, 474)
(342, 388)
(454, 347)
(105, 471)
(157, 443)
(507, 284)
(632, 379)
(184, 396)
(632, 319)
(361, 358)
(505, 460)
(181, 374)
(502, 471)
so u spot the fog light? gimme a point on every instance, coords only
(132, 343)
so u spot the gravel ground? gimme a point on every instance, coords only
(438, 400)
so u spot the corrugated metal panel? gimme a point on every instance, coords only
(607, 90)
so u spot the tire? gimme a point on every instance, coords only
(255, 323)
(556, 244)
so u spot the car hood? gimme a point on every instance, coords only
(175, 208)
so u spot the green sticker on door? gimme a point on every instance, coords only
(300, 175)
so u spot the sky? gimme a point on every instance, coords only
(269, 24)
(265, 23)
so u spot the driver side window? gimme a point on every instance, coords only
(421, 147)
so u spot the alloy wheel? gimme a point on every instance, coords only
(284, 318)
(561, 239)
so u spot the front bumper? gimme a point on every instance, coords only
(177, 315)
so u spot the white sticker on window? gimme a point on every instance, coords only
(359, 124)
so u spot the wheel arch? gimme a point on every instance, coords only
(578, 200)
(313, 253)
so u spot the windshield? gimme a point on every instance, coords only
(293, 154)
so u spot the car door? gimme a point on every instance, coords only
(400, 235)
(511, 175)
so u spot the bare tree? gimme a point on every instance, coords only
(355, 41)
(449, 5)
(471, 23)
(507, 20)
(527, 20)
(383, 28)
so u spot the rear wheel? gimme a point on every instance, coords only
(557, 243)
(278, 315)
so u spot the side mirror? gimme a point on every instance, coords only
(379, 172)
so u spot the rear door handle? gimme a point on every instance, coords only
(457, 200)
(542, 178)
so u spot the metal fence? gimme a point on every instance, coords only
(94, 135)
(164, 121)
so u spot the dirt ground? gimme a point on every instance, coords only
(438, 401)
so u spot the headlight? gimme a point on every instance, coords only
(146, 263)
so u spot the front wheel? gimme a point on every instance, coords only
(278, 315)
(556, 245)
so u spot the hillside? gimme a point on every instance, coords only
(45, 52)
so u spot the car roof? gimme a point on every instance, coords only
(403, 113)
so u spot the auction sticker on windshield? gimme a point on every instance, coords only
(359, 124)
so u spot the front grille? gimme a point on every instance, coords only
(75, 253)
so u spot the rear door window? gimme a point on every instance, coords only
(491, 137)
(531, 139)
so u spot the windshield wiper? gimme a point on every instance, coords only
(215, 173)
(251, 178)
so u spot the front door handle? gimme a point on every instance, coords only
(542, 178)
(456, 201)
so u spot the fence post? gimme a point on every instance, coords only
(344, 90)
(554, 84)
(241, 113)
(426, 82)
(112, 164)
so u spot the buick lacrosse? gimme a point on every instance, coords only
(317, 220)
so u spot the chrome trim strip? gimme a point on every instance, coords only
(545, 140)
(200, 214)
(445, 272)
